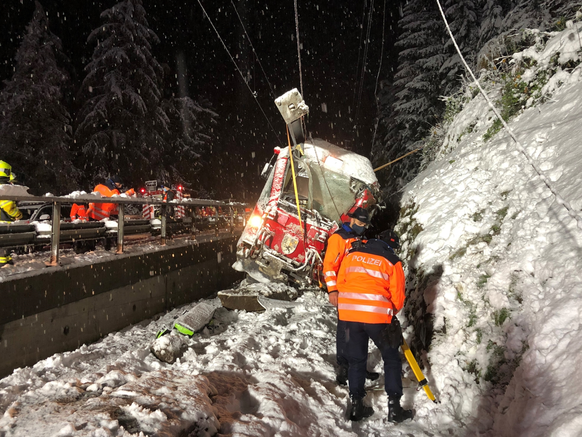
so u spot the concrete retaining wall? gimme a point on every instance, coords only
(60, 308)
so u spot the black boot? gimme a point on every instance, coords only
(396, 413)
(342, 375)
(359, 411)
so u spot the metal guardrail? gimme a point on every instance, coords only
(121, 202)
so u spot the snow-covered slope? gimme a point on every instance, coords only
(496, 264)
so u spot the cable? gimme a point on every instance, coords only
(378, 75)
(529, 159)
(255, 53)
(325, 181)
(240, 72)
(298, 47)
(357, 80)
(364, 61)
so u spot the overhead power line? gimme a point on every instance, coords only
(378, 75)
(298, 47)
(240, 72)
(254, 51)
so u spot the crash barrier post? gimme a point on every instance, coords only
(120, 223)
(417, 372)
(163, 229)
(56, 232)
(55, 235)
(231, 209)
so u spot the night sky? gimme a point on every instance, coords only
(332, 34)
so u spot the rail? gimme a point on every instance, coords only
(82, 231)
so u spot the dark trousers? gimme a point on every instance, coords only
(340, 344)
(356, 342)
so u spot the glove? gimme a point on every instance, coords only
(392, 334)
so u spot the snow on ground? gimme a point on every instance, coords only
(249, 374)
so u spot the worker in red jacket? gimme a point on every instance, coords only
(338, 245)
(371, 292)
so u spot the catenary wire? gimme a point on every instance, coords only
(298, 47)
(357, 80)
(364, 60)
(240, 72)
(378, 74)
(254, 51)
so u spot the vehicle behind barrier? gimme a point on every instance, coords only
(276, 244)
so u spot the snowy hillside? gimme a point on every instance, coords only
(495, 291)
(495, 260)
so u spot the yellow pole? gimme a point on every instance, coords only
(417, 372)
(294, 180)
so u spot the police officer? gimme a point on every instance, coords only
(371, 292)
(337, 247)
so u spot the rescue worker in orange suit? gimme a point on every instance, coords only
(79, 211)
(338, 245)
(9, 212)
(371, 292)
(112, 186)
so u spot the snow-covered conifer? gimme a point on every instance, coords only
(463, 21)
(122, 125)
(189, 137)
(420, 58)
(35, 128)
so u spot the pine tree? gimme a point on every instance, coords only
(190, 137)
(492, 14)
(122, 126)
(463, 21)
(420, 59)
(35, 128)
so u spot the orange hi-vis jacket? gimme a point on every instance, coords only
(371, 284)
(337, 247)
(99, 211)
(79, 211)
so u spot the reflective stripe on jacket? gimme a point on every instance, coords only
(9, 212)
(99, 211)
(337, 247)
(78, 211)
(371, 284)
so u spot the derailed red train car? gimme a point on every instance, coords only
(276, 245)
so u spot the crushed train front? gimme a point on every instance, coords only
(278, 243)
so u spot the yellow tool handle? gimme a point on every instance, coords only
(417, 372)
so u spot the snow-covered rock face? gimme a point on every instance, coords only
(494, 263)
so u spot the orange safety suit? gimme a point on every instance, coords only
(337, 247)
(371, 284)
(100, 211)
(79, 212)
